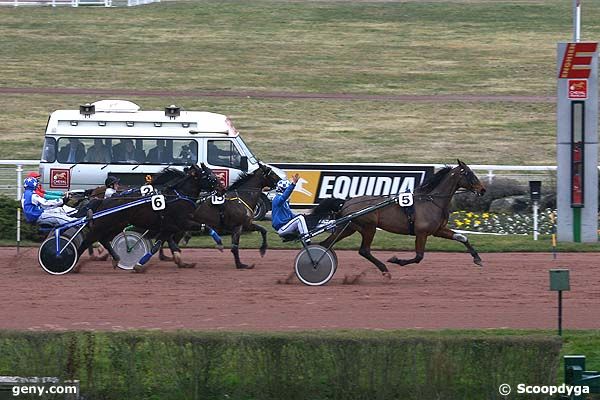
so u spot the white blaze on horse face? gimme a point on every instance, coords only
(460, 238)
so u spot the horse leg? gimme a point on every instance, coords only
(141, 265)
(263, 233)
(177, 254)
(368, 233)
(112, 252)
(448, 233)
(420, 241)
(235, 248)
(338, 235)
(162, 256)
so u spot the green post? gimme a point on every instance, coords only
(577, 225)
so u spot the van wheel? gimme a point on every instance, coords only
(261, 209)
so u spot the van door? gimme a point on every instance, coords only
(224, 158)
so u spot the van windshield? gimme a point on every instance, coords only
(246, 150)
(86, 150)
(49, 152)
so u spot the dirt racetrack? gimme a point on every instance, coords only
(445, 291)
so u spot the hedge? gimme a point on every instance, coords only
(8, 222)
(321, 365)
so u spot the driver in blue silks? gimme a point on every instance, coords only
(42, 211)
(284, 221)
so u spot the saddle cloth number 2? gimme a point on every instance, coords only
(158, 202)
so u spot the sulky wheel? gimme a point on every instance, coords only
(57, 264)
(131, 246)
(315, 265)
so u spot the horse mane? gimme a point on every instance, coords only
(167, 175)
(328, 206)
(433, 180)
(244, 177)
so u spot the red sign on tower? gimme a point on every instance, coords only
(577, 60)
(577, 89)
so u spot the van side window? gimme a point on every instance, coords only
(128, 152)
(49, 152)
(71, 150)
(222, 153)
(98, 151)
(186, 151)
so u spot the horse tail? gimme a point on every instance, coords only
(327, 207)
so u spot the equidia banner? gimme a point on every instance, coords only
(320, 181)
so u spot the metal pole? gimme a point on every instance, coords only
(19, 192)
(560, 313)
(535, 220)
(576, 20)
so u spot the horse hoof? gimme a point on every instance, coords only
(186, 265)
(245, 266)
(165, 258)
(139, 268)
(387, 275)
(220, 247)
(478, 262)
(115, 263)
(76, 269)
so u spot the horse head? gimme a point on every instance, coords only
(270, 177)
(468, 180)
(203, 177)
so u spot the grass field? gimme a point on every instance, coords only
(408, 48)
(388, 241)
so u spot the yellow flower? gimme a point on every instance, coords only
(485, 215)
(458, 223)
(467, 221)
(477, 222)
(469, 214)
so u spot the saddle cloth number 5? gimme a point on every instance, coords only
(405, 199)
(158, 202)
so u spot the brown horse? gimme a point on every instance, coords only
(236, 213)
(429, 216)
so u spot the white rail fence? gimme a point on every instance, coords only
(76, 3)
(12, 173)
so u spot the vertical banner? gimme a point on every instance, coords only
(577, 142)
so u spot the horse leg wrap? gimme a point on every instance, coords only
(145, 258)
(460, 238)
(215, 236)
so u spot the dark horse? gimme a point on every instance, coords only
(236, 213)
(180, 190)
(429, 216)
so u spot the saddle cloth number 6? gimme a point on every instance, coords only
(158, 202)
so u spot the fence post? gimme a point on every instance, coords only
(19, 192)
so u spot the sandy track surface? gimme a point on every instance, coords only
(445, 291)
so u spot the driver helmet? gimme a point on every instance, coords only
(110, 181)
(30, 183)
(282, 185)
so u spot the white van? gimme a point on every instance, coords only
(82, 147)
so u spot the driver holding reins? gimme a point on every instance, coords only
(39, 210)
(284, 221)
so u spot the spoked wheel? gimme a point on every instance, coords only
(61, 263)
(315, 265)
(131, 246)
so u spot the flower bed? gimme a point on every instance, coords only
(503, 223)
